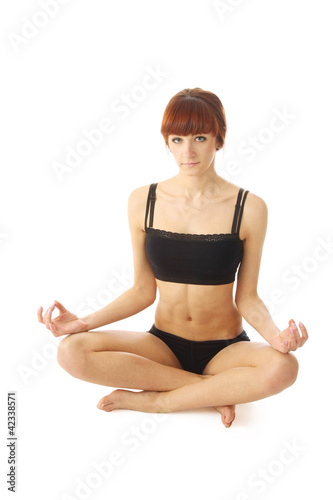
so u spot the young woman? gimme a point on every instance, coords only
(190, 234)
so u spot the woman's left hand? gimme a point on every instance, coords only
(290, 339)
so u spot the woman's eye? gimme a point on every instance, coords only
(199, 138)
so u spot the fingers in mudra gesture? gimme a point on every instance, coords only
(291, 338)
(64, 324)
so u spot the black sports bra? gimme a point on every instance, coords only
(196, 259)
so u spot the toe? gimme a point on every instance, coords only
(228, 415)
(104, 403)
(111, 402)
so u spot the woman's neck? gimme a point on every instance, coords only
(195, 186)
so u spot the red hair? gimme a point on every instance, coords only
(194, 111)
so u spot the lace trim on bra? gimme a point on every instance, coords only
(198, 237)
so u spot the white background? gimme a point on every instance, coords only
(66, 237)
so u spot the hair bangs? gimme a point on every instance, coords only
(189, 116)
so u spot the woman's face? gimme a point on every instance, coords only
(194, 154)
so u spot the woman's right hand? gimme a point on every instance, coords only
(63, 324)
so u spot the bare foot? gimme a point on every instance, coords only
(227, 414)
(146, 401)
(150, 402)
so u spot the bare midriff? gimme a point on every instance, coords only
(197, 312)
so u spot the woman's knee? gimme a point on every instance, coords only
(282, 371)
(72, 352)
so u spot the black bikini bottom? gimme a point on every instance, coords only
(194, 355)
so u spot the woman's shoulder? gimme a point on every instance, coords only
(138, 197)
(141, 191)
(253, 202)
(255, 215)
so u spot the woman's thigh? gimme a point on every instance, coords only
(249, 354)
(141, 343)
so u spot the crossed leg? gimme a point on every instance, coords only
(241, 373)
(132, 360)
(116, 358)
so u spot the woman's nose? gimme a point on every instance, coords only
(188, 150)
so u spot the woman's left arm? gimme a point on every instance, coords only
(249, 304)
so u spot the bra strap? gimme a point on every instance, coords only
(150, 205)
(239, 208)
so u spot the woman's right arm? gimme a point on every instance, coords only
(140, 296)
